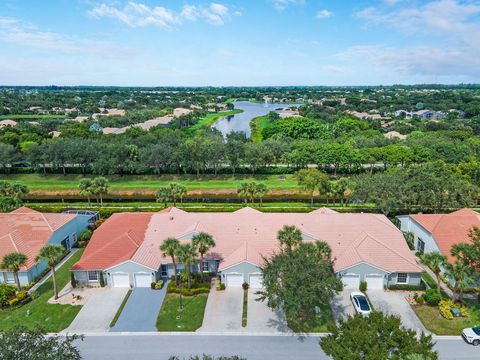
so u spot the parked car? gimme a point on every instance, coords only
(472, 335)
(360, 303)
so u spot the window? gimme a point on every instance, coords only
(9, 278)
(402, 278)
(164, 270)
(92, 276)
(420, 245)
(205, 266)
(66, 242)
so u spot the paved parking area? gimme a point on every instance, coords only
(342, 306)
(261, 319)
(394, 303)
(141, 310)
(98, 312)
(223, 312)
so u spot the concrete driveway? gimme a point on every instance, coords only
(141, 310)
(261, 319)
(342, 306)
(223, 312)
(98, 312)
(394, 303)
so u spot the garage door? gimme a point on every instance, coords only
(374, 281)
(121, 280)
(233, 279)
(255, 281)
(351, 281)
(143, 280)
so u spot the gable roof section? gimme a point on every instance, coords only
(246, 236)
(449, 229)
(114, 242)
(27, 231)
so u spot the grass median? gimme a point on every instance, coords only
(189, 318)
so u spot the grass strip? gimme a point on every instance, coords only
(245, 308)
(190, 318)
(120, 309)
(256, 126)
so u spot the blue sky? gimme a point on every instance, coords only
(239, 42)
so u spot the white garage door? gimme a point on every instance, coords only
(121, 280)
(143, 280)
(351, 281)
(374, 281)
(255, 281)
(233, 279)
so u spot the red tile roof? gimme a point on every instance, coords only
(27, 231)
(115, 241)
(449, 229)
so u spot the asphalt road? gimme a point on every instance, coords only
(160, 347)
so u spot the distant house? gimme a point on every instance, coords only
(181, 112)
(7, 122)
(125, 248)
(395, 134)
(27, 231)
(439, 232)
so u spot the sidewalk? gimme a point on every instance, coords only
(47, 275)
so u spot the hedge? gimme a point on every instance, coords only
(420, 287)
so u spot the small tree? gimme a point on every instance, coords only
(261, 191)
(100, 187)
(177, 192)
(310, 180)
(51, 254)
(242, 191)
(73, 281)
(435, 261)
(187, 255)
(170, 247)
(29, 344)
(86, 188)
(13, 262)
(460, 273)
(163, 195)
(203, 242)
(376, 336)
(102, 279)
(289, 237)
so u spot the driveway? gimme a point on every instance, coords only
(223, 312)
(394, 303)
(98, 312)
(141, 310)
(261, 319)
(342, 306)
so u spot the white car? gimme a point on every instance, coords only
(360, 303)
(472, 335)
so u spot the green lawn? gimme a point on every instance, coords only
(120, 309)
(211, 118)
(189, 319)
(318, 323)
(437, 324)
(153, 182)
(257, 125)
(38, 313)
(31, 117)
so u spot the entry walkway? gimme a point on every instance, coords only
(141, 310)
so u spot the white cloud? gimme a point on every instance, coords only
(283, 4)
(324, 14)
(20, 33)
(448, 29)
(136, 14)
(336, 69)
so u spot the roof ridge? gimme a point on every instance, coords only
(131, 238)
(13, 242)
(48, 224)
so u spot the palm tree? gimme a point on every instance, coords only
(18, 190)
(251, 191)
(163, 195)
(460, 273)
(289, 237)
(242, 191)
(51, 254)
(187, 255)
(13, 262)
(343, 185)
(101, 185)
(86, 188)
(324, 250)
(260, 192)
(435, 261)
(170, 247)
(177, 191)
(203, 242)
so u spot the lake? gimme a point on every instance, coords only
(241, 122)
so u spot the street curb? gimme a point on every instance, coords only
(187, 333)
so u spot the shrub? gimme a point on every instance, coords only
(73, 281)
(420, 300)
(220, 286)
(406, 287)
(158, 285)
(444, 306)
(102, 279)
(6, 293)
(432, 297)
(245, 286)
(363, 286)
(152, 285)
(464, 311)
(410, 239)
